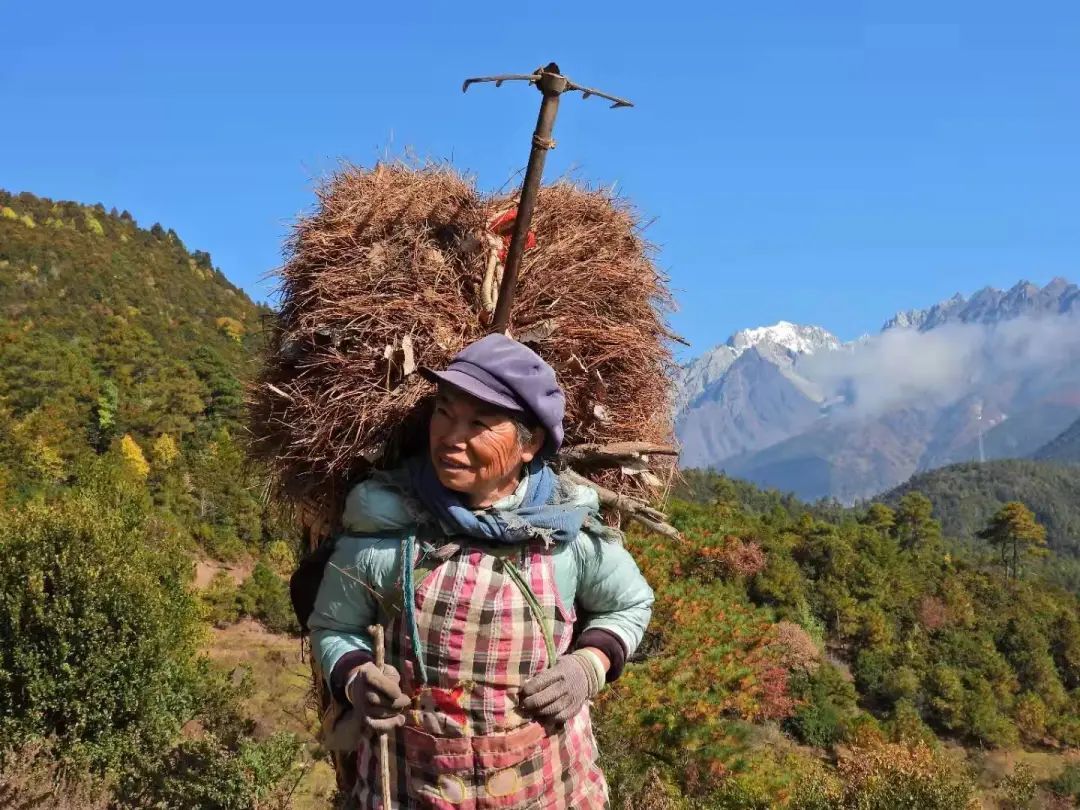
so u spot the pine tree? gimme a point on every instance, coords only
(1015, 533)
(880, 517)
(915, 524)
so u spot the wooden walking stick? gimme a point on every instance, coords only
(551, 84)
(376, 631)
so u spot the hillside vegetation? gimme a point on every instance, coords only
(802, 662)
(966, 496)
(801, 656)
(122, 362)
(117, 339)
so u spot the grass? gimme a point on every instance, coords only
(282, 699)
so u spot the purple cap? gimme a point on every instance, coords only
(502, 372)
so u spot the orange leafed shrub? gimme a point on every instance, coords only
(734, 557)
(897, 775)
(798, 652)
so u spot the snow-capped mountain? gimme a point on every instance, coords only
(771, 341)
(791, 406)
(748, 393)
(796, 339)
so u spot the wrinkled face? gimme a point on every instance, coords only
(475, 447)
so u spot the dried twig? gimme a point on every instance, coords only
(617, 454)
(652, 519)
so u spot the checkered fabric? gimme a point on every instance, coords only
(465, 744)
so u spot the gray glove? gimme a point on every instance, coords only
(559, 693)
(377, 697)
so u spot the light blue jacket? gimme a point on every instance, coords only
(598, 576)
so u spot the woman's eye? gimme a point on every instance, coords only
(482, 425)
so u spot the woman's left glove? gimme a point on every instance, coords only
(559, 693)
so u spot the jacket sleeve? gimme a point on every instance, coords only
(612, 591)
(345, 605)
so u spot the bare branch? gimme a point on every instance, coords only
(632, 508)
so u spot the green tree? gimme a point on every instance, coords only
(265, 596)
(105, 416)
(915, 525)
(880, 517)
(98, 630)
(1016, 535)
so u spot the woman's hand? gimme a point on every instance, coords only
(558, 693)
(376, 694)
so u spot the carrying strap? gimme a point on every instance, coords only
(534, 605)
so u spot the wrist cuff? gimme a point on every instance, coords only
(348, 684)
(594, 669)
(609, 644)
(346, 664)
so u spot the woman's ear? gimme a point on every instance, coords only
(529, 451)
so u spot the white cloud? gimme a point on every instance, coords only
(902, 367)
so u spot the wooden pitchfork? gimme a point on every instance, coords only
(551, 84)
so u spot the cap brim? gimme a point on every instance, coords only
(471, 386)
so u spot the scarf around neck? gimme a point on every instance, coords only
(545, 513)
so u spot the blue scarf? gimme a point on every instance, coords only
(545, 513)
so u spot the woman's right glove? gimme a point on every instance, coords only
(377, 697)
(558, 693)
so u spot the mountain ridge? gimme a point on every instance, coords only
(991, 304)
(1064, 447)
(966, 496)
(993, 375)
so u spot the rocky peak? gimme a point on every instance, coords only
(794, 338)
(779, 344)
(990, 305)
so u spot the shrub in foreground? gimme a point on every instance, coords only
(97, 628)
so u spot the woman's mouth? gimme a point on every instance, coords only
(452, 465)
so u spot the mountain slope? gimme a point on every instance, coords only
(966, 496)
(1064, 447)
(117, 339)
(748, 393)
(128, 308)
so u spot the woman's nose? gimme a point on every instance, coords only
(455, 436)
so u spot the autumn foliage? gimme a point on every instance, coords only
(866, 637)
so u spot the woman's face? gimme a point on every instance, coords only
(475, 447)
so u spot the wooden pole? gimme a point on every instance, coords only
(384, 741)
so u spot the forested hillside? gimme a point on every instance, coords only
(122, 362)
(116, 338)
(795, 661)
(966, 496)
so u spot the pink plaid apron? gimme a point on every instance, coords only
(465, 745)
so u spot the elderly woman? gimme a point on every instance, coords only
(507, 604)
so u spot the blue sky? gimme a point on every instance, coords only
(823, 163)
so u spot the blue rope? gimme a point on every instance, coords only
(408, 588)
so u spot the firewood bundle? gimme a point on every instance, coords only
(397, 267)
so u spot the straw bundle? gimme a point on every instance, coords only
(392, 271)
